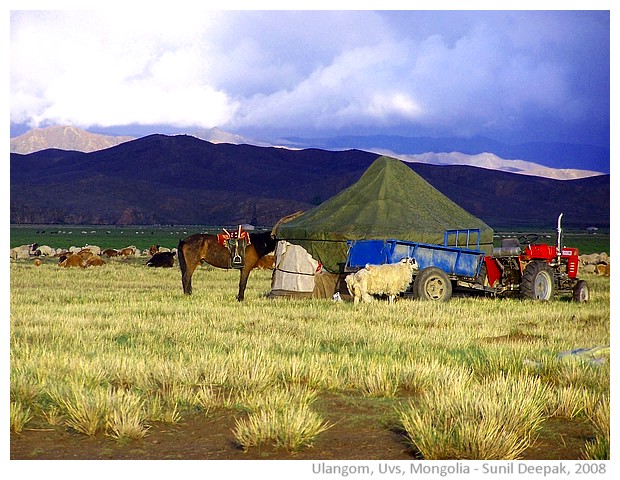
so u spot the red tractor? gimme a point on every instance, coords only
(537, 271)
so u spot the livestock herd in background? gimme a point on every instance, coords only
(93, 255)
(597, 263)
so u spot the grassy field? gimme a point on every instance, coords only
(112, 350)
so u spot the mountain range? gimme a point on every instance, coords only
(184, 180)
(551, 160)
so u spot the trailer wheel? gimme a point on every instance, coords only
(432, 284)
(537, 282)
(581, 292)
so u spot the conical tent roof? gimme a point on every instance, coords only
(390, 200)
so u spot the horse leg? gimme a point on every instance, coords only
(243, 281)
(187, 278)
(250, 261)
(187, 265)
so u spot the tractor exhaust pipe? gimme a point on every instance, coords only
(558, 247)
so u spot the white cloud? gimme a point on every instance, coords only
(94, 68)
(360, 86)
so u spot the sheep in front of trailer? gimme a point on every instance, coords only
(389, 279)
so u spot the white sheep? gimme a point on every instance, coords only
(95, 249)
(389, 279)
(21, 252)
(45, 251)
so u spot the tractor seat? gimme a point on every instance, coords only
(511, 247)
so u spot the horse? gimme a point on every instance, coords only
(204, 247)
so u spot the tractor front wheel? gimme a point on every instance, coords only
(581, 292)
(537, 282)
(432, 284)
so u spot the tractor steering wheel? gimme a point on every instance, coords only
(528, 238)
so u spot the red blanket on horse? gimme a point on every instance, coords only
(222, 238)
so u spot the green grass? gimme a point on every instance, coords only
(113, 349)
(598, 449)
(105, 236)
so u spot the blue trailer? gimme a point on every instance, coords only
(459, 260)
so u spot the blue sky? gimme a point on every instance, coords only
(515, 76)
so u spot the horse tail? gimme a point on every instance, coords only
(187, 282)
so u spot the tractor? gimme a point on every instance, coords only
(536, 271)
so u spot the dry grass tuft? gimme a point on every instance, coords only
(127, 418)
(279, 417)
(19, 416)
(599, 448)
(495, 420)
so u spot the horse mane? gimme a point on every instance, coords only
(263, 242)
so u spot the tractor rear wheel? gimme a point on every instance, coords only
(581, 292)
(537, 282)
(432, 283)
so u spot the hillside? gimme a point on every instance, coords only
(184, 180)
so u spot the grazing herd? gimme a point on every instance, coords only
(597, 263)
(92, 255)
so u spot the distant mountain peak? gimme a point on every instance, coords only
(493, 162)
(217, 135)
(64, 137)
(519, 158)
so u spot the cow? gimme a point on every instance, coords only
(85, 253)
(94, 261)
(161, 259)
(71, 260)
(44, 251)
(20, 252)
(127, 251)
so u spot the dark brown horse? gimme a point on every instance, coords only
(203, 247)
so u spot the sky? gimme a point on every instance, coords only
(511, 75)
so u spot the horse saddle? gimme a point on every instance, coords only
(235, 242)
